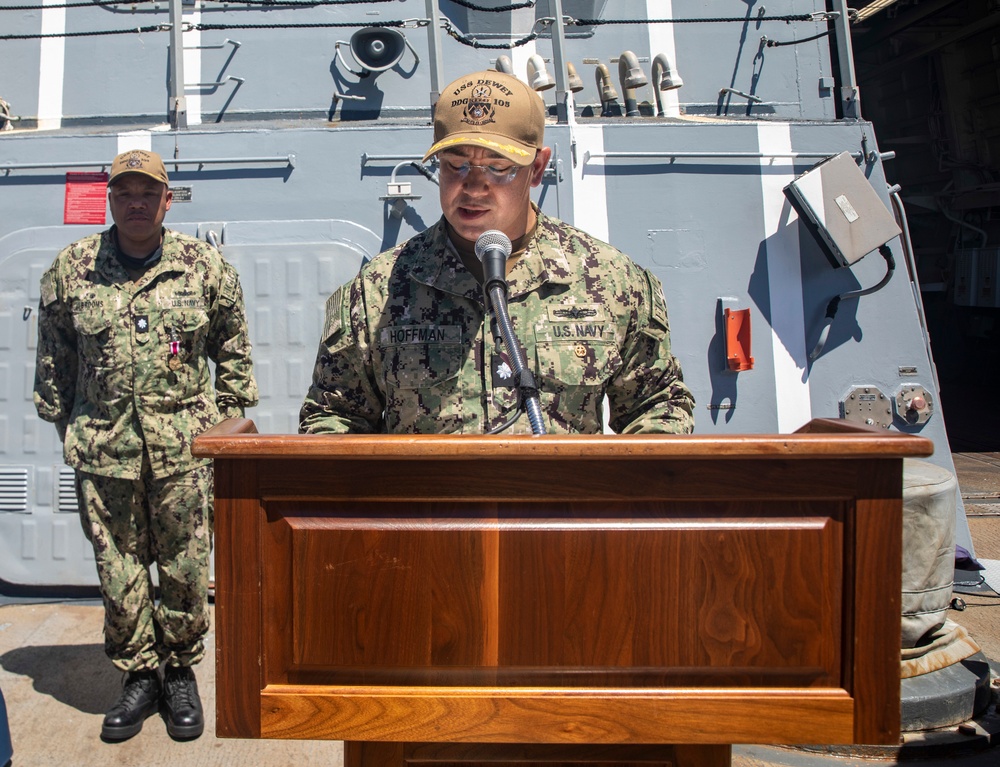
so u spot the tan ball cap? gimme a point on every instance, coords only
(492, 110)
(138, 161)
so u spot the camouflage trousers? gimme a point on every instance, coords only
(133, 525)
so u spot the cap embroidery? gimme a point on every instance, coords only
(479, 110)
(445, 142)
(134, 160)
(477, 113)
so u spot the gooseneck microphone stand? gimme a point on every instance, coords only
(493, 249)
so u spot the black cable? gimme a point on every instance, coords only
(498, 9)
(316, 25)
(714, 20)
(426, 172)
(88, 4)
(264, 3)
(778, 43)
(303, 3)
(448, 26)
(831, 308)
(40, 36)
(463, 3)
(207, 27)
(513, 419)
(474, 43)
(981, 581)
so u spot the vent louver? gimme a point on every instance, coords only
(14, 490)
(66, 501)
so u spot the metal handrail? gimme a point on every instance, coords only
(367, 158)
(588, 155)
(289, 160)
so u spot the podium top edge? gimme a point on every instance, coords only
(238, 439)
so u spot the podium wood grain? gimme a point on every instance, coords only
(628, 599)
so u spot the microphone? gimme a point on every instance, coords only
(493, 248)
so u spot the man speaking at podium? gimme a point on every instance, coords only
(409, 346)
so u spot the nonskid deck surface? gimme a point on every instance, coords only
(57, 685)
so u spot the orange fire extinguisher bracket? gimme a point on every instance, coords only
(738, 339)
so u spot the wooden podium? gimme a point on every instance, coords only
(461, 599)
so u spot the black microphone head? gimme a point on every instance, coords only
(493, 239)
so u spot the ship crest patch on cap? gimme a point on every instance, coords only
(134, 160)
(479, 110)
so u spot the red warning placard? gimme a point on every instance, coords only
(86, 198)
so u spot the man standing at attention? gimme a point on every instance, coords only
(407, 345)
(128, 322)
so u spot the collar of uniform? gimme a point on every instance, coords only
(435, 262)
(543, 259)
(106, 264)
(111, 268)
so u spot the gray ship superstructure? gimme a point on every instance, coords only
(294, 134)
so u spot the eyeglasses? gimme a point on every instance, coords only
(495, 174)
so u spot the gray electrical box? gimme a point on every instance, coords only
(836, 203)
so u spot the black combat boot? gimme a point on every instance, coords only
(139, 699)
(181, 703)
